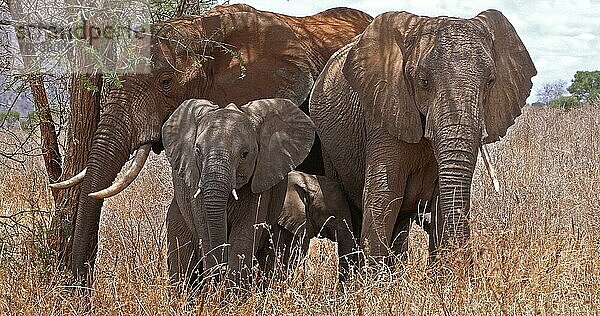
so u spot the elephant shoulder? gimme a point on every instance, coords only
(331, 82)
(233, 8)
(359, 20)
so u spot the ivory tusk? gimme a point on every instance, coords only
(119, 185)
(69, 182)
(489, 167)
(198, 193)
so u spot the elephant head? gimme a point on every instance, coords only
(457, 82)
(216, 150)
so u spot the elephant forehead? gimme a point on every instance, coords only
(445, 31)
(445, 25)
(222, 122)
(460, 41)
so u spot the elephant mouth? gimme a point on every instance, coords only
(240, 179)
(233, 193)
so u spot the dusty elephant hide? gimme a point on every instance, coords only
(232, 54)
(401, 112)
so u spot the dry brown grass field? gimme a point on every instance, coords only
(536, 244)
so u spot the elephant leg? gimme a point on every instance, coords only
(342, 228)
(401, 230)
(423, 216)
(241, 246)
(385, 182)
(432, 227)
(381, 210)
(346, 242)
(328, 168)
(182, 257)
(435, 234)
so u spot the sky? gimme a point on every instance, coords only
(562, 37)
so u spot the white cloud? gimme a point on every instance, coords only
(562, 37)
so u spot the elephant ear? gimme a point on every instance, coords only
(374, 68)
(179, 138)
(260, 57)
(285, 136)
(514, 70)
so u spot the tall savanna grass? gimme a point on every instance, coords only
(536, 244)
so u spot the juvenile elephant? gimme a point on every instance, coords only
(232, 54)
(315, 206)
(228, 165)
(402, 110)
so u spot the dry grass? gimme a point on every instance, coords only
(536, 244)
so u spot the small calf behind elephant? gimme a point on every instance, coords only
(315, 206)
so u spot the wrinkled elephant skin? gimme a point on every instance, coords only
(263, 55)
(229, 175)
(401, 112)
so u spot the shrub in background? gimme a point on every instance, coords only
(565, 102)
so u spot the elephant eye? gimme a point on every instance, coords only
(423, 82)
(166, 81)
(490, 81)
(244, 155)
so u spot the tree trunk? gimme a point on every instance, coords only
(50, 150)
(85, 113)
(35, 80)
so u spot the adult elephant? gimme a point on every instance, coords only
(233, 54)
(402, 110)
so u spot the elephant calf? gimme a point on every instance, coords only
(315, 206)
(228, 165)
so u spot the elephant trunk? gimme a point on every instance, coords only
(455, 141)
(455, 177)
(216, 184)
(107, 155)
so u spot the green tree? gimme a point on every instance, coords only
(9, 117)
(586, 86)
(565, 102)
